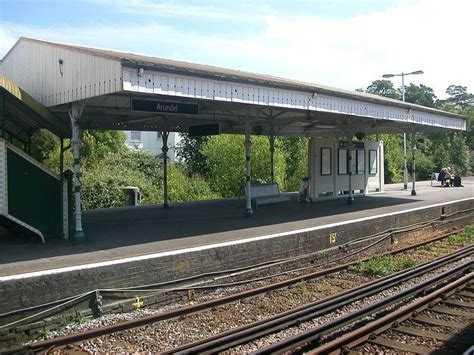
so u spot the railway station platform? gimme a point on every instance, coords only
(125, 233)
(133, 246)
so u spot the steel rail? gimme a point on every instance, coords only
(134, 323)
(314, 334)
(363, 333)
(292, 317)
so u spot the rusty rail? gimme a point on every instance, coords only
(362, 334)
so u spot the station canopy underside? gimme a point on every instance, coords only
(114, 112)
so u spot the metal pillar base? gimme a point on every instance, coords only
(413, 192)
(350, 200)
(248, 213)
(78, 238)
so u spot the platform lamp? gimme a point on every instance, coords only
(405, 170)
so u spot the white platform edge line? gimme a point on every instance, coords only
(217, 245)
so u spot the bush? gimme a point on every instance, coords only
(187, 188)
(225, 161)
(103, 180)
(424, 166)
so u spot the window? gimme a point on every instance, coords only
(372, 162)
(326, 161)
(135, 136)
(342, 162)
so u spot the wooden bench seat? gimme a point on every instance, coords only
(262, 194)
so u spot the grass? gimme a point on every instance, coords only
(320, 288)
(78, 317)
(44, 334)
(427, 247)
(466, 237)
(382, 265)
(302, 288)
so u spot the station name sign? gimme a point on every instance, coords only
(164, 107)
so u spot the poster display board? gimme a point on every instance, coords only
(372, 162)
(342, 162)
(326, 161)
(360, 161)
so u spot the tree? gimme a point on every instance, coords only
(383, 88)
(459, 96)
(420, 95)
(189, 150)
(295, 153)
(225, 159)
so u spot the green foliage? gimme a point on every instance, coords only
(459, 154)
(320, 287)
(187, 188)
(404, 262)
(44, 334)
(382, 265)
(96, 144)
(78, 317)
(103, 180)
(420, 95)
(378, 265)
(424, 166)
(383, 88)
(302, 288)
(295, 153)
(225, 159)
(189, 151)
(466, 237)
(43, 144)
(427, 247)
(459, 97)
(393, 162)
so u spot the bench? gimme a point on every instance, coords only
(262, 194)
(434, 177)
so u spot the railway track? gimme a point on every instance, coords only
(348, 296)
(443, 320)
(251, 332)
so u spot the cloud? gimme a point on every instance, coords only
(350, 52)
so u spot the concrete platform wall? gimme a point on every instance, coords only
(27, 290)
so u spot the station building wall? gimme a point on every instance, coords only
(329, 167)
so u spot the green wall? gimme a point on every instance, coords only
(34, 196)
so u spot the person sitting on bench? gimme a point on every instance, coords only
(445, 177)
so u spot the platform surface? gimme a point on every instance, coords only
(132, 231)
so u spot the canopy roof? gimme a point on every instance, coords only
(107, 82)
(23, 115)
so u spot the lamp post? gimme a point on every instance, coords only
(405, 170)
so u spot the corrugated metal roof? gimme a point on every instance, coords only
(217, 73)
(24, 114)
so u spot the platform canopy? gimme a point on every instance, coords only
(125, 91)
(21, 115)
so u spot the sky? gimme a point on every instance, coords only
(340, 43)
